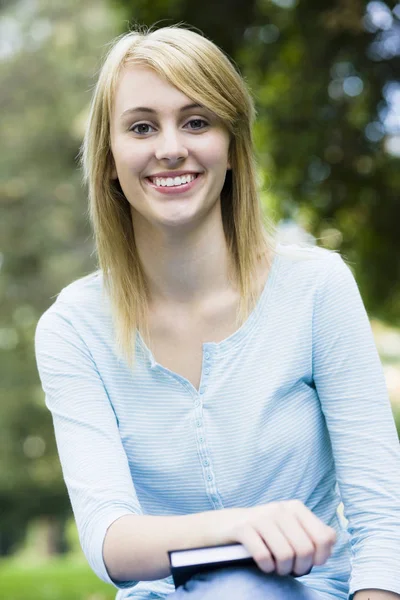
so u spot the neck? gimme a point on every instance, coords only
(184, 266)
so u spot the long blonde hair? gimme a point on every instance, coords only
(198, 68)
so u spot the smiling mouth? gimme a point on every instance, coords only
(173, 182)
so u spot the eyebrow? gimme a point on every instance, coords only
(145, 109)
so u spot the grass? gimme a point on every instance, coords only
(58, 579)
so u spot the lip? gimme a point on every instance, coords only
(174, 174)
(175, 190)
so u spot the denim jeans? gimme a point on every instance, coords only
(244, 583)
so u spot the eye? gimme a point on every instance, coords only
(141, 128)
(197, 124)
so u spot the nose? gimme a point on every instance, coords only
(170, 147)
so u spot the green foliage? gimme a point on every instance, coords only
(59, 579)
(318, 90)
(396, 414)
(49, 57)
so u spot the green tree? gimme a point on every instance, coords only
(49, 54)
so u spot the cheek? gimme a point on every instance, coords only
(129, 159)
(215, 153)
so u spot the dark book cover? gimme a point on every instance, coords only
(186, 563)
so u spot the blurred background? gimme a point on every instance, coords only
(325, 76)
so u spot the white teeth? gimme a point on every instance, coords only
(170, 182)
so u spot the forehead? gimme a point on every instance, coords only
(141, 86)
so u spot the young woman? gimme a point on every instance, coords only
(207, 384)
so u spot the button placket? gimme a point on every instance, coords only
(202, 448)
(206, 371)
(205, 461)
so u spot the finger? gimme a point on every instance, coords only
(300, 541)
(279, 547)
(322, 536)
(252, 541)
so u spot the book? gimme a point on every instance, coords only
(186, 563)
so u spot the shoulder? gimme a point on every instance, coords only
(308, 261)
(81, 302)
(86, 289)
(310, 272)
(297, 253)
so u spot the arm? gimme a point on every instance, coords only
(136, 546)
(351, 387)
(94, 464)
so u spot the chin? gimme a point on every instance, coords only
(175, 215)
(178, 221)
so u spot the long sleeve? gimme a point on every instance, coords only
(350, 383)
(94, 464)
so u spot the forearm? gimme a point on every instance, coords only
(136, 546)
(375, 595)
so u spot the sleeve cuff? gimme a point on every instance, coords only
(95, 555)
(376, 576)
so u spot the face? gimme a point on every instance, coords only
(170, 154)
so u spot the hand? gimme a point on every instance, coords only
(283, 537)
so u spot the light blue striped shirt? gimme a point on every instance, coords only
(292, 405)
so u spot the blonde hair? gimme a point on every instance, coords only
(198, 68)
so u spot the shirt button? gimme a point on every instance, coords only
(207, 355)
(207, 371)
(197, 402)
(198, 423)
(206, 463)
(201, 439)
(214, 498)
(202, 390)
(209, 478)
